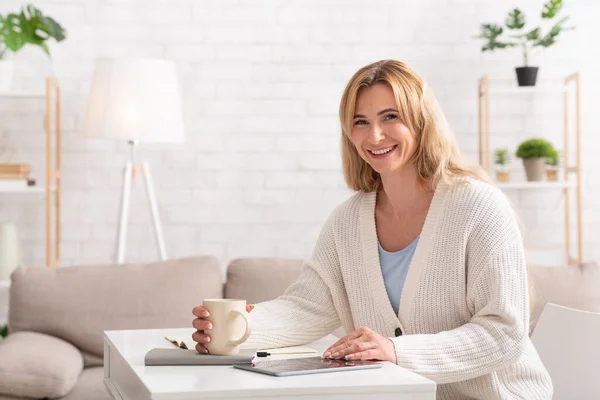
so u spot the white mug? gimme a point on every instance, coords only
(231, 325)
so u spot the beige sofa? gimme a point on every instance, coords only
(57, 316)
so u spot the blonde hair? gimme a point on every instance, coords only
(437, 157)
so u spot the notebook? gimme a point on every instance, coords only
(177, 356)
(184, 353)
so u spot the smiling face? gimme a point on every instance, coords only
(378, 133)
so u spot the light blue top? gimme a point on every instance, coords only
(394, 267)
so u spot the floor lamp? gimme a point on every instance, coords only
(136, 100)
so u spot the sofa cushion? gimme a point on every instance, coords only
(575, 286)
(38, 365)
(90, 386)
(79, 303)
(259, 279)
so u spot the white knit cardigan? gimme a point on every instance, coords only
(463, 314)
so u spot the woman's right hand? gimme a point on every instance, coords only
(201, 324)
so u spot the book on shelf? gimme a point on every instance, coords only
(15, 171)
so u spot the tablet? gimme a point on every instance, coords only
(303, 366)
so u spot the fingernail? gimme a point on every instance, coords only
(348, 357)
(204, 351)
(207, 339)
(209, 326)
(327, 354)
(334, 355)
(204, 313)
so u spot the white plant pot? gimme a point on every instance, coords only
(10, 250)
(534, 168)
(7, 70)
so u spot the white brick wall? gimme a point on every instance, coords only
(261, 81)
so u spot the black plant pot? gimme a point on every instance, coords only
(526, 76)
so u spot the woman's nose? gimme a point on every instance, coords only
(376, 135)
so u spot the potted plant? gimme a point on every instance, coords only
(29, 27)
(552, 166)
(525, 38)
(501, 159)
(534, 153)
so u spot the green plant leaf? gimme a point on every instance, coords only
(501, 156)
(496, 45)
(550, 38)
(4, 330)
(54, 29)
(44, 47)
(11, 32)
(2, 28)
(29, 26)
(553, 158)
(551, 8)
(533, 34)
(535, 148)
(491, 32)
(515, 19)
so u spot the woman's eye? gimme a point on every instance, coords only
(360, 122)
(390, 116)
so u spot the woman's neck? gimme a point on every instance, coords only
(403, 193)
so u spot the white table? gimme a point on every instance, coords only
(127, 378)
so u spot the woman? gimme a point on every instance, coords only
(424, 266)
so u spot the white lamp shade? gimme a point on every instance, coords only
(135, 99)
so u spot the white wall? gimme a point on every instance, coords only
(261, 81)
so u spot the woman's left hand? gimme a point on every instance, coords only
(363, 344)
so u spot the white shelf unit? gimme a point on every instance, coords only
(536, 185)
(571, 84)
(527, 90)
(52, 187)
(22, 94)
(30, 189)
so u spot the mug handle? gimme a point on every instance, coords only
(247, 319)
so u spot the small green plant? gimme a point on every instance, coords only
(3, 330)
(553, 158)
(526, 38)
(535, 148)
(502, 156)
(29, 26)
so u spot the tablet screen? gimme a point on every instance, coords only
(299, 366)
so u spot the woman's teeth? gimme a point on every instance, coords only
(382, 151)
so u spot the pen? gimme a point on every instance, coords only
(266, 354)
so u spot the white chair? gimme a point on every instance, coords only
(568, 342)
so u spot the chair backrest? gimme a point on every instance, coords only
(568, 343)
(574, 286)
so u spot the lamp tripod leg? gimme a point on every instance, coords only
(124, 214)
(154, 209)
